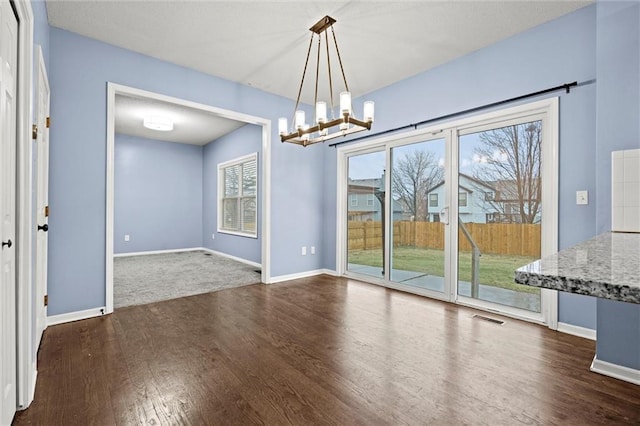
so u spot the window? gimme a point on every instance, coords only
(433, 200)
(462, 199)
(237, 196)
(354, 200)
(369, 199)
(435, 217)
(488, 196)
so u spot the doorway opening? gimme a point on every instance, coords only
(158, 165)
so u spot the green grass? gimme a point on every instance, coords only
(495, 270)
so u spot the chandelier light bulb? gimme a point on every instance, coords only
(300, 119)
(368, 111)
(345, 102)
(321, 112)
(283, 127)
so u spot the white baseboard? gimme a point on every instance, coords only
(299, 275)
(75, 316)
(228, 256)
(627, 374)
(144, 253)
(575, 330)
(208, 250)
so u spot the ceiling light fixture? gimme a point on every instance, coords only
(345, 122)
(158, 123)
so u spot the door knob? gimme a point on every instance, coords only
(7, 243)
(44, 227)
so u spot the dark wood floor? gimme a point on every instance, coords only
(321, 350)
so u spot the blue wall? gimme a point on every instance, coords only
(246, 140)
(618, 127)
(79, 71)
(158, 195)
(557, 52)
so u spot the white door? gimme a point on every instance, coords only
(42, 194)
(8, 84)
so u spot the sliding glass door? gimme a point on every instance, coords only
(452, 212)
(499, 212)
(418, 197)
(366, 213)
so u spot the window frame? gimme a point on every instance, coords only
(222, 167)
(434, 197)
(370, 200)
(462, 195)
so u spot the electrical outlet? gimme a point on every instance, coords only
(213, 236)
(582, 198)
(313, 249)
(304, 250)
(126, 237)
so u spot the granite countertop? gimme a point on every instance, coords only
(606, 266)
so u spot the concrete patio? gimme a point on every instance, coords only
(502, 296)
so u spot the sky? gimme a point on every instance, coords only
(372, 165)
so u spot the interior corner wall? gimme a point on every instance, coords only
(80, 69)
(157, 196)
(244, 141)
(618, 128)
(551, 54)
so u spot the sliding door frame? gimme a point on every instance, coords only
(545, 110)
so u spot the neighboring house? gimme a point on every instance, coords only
(475, 201)
(507, 203)
(363, 202)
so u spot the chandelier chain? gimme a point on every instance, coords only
(335, 41)
(315, 94)
(304, 72)
(326, 40)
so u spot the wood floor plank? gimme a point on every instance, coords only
(320, 350)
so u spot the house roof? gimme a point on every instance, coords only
(474, 180)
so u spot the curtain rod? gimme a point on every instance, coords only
(566, 86)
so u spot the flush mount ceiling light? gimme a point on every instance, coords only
(342, 121)
(158, 123)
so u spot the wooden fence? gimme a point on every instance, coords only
(497, 238)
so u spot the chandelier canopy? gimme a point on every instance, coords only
(329, 122)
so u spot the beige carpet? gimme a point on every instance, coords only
(151, 278)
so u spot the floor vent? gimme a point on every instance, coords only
(495, 321)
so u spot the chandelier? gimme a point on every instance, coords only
(339, 122)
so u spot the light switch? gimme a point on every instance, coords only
(126, 237)
(582, 198)
(304, 250)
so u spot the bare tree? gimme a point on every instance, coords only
(510, 162)
(413, 175)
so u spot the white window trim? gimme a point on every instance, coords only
(221, 166)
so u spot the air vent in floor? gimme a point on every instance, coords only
(495, 321)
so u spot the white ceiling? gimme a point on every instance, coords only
(264, 43)
(190, 125)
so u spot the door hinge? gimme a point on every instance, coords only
(34, 131)
(46, 211)
(48, 122)
(46, 300)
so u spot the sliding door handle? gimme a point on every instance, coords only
(44, 227)
(7, 243)
(444, 215)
